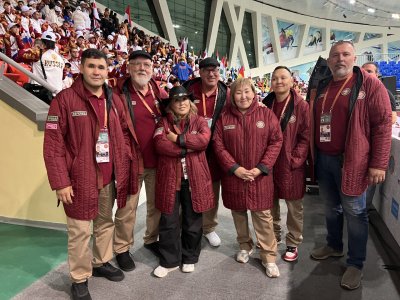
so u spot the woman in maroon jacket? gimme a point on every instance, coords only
(247, 141)
(289, 172)
(183, 180)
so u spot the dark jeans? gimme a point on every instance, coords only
(180, 244)
(329, 174)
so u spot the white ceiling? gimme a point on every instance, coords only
(343, 11)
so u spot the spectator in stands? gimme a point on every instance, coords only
(174, 141)
(211, 95)
(9, 15)
(141, 94)
(87, 189)
(372, 68)
(50, 64)
(13, 41)
(247, 142)
(182, 70)
(351, 129)
(36, 23)
(289, 170)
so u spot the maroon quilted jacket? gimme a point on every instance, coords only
(249, 140)
(289, 169)
(70, 137)
(169, 169)
(369, 133)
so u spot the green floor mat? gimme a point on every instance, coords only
(26, 254)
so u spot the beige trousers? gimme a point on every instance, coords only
(263, 227)
(294, 221)
(210, 219)
(153, 214)
(80, 258)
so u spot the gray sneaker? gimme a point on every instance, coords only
(325, 252)
(351, 279)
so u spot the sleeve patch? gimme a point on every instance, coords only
(52, 118)
(51, 126)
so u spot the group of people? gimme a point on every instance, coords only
(102, 144)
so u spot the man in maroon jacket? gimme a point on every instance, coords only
(140, 95)
(87, 155)
(351, 137)
(210, 95)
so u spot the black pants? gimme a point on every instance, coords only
(180, 244)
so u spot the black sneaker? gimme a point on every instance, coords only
(153, 247)
(125, 261)
(80, 291)
(108, 271)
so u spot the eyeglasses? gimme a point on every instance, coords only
(145, 65)
(211, 70)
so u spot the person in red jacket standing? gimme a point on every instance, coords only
(211, 95)
(289, 171)
(141, 94)
(247, 141)
(87, 152)
(350, 142)
(183, 181)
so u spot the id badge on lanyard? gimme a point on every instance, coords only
(209, 122)
(184, 168)
(103, 147)
(325, 128)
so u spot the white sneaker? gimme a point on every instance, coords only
(187, 268)
(161, 272)
(243, 256)
(213, 239)
(272, 270)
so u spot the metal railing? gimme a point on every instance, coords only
(376, 57)
(39, 80)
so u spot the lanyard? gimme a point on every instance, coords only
(336, 97)
(145, 103)
(283, 110)
(204, 102)
(105, 114)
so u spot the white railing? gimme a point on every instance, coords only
(376, 57)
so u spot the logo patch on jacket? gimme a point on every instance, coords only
(79, 113)
(158, 131)
(361, 95)
(196, 101)
(260, 124)
(194, 132)
(292, 119)
(228, 127)
(346, 91)
(51, 126)
(133, 102)
(52, 118)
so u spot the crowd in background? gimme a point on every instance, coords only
(80, 25)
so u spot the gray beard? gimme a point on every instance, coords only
(141, 81)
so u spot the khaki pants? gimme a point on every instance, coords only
(294, 221)
(210, 220)
(80, 258)
(263, 227)
(153, 214)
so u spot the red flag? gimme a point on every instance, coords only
(241, 72)
(127, 15)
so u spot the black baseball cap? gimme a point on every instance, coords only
(208, 62)
(139, 53)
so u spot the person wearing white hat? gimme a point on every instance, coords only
(25, 22)
(12, 40)
(36, 24)
(50, 65)
(79, 19)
